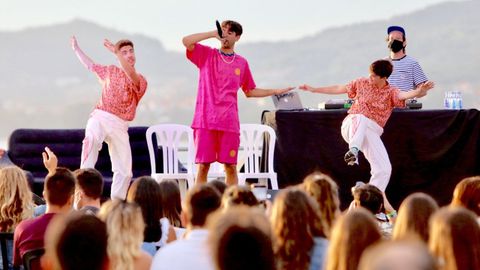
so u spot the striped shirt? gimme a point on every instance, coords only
(407, 73)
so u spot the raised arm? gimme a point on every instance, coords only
(418, 92)
(84, 59)
(333, 89)
(127, 67)
(190, 40)
(259, 92)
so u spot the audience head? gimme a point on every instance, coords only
(145, 191)
(76, 241)
(382, 68)
(295, 222)
(59, 187)
(89, 185)
(467, 194)
(219, 185)
(201, 201)
(455, 239)
(15, 200)
(240, 239)
(125, 228)
(413, 216)
(353, 232)
(238, 195)
(404, 254)
(325, 191)
(369, 197)
(171, 201)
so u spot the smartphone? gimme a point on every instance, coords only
(260, 191)
(219, 29)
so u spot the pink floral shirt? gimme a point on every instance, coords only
(119, 95)
(220, 78)
(373, 102)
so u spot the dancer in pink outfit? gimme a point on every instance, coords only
(374, 100)
(215, 123)
(122, 89)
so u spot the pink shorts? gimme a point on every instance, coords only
(216, 145)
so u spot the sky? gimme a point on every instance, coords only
(170, 20)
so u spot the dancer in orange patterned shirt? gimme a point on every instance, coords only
(374, 100)
(122, 89)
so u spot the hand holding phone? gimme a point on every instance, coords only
(219, 29)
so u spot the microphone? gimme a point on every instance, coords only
(219, 29)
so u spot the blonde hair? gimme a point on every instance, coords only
(125, 232)
(413, 216)
(16, 201)
(325, 191)
(353, 232)
(455, 239)
(295, 222)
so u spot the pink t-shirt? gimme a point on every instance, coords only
(216, 107)
(119, 95)
(373, 102)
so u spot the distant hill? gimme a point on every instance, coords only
(44, 86)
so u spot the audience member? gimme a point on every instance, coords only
(15, 202)
(299, 240)
(88, 190)
(467, 194)
(76, 241)
(192, 251)
(145, 191)
(372, 198)
(240, 238)
(125, 229)
(172, 206)
(220, 185)
(238, 195)
(413, 216)
(325, 192)
(171, 202)
(404, 254)
(353, 232)
(455, 239)
(58, 191)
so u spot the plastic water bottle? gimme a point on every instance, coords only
(446, 100)
(460, 100)
(454, 100)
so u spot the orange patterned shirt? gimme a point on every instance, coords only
(119, 94)
(373, 102)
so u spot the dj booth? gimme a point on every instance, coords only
(430, 150)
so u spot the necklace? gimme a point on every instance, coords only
(226, 54)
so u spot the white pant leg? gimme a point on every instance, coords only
(92, 143)
(375, 152)
(353, 130)
(120, 156)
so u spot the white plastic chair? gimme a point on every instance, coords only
(171, 139)
(251, 143)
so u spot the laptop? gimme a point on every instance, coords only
(287, 101)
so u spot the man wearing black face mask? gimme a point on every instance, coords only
(407, 73)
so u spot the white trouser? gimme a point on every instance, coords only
(104, 126)
(363, 133)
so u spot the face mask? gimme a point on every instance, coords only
(396, 46)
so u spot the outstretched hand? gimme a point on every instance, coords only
(283, 90)
(109, 45)
(50, 160)
(425, 87)
(73, 41)
(306, 87)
